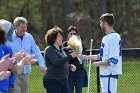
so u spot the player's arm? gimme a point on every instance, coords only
(90, 57)
(100, 63)
(108, 62)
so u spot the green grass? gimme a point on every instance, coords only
(128, 82)
(36, 81)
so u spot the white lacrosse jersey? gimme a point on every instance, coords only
(111, 48)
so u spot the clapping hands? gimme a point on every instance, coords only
(6, 62)
(18, 56)
(29, 59)
(4, 74)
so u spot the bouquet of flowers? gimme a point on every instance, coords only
(75, 44)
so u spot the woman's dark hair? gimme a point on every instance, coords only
(51, 35)
(2, 35)
(71, 28)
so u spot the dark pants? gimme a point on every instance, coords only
(56, 86)
(76, 79)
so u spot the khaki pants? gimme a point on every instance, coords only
(21, 83)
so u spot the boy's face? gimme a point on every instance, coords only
(102, 26)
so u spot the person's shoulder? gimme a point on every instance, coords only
(114, 36)
(49, 47)
(6, 48)
(115, 33)
(2, 21)
(8, 23)
(28, 35)
(5, 24)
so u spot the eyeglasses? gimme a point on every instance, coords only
(72, 33)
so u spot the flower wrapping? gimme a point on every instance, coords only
(75, 44)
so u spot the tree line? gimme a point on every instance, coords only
(44, 14)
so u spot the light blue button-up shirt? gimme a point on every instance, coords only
(28, 45)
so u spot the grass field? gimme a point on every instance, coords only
(128, 82)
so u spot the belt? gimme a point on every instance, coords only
(109, 76)
(113, 76)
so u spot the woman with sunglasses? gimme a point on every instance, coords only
(78, 78)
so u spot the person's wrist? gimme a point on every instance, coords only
(42, 67)
(98, 57)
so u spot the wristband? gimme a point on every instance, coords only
(112, 61)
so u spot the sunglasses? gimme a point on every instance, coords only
(72, 33)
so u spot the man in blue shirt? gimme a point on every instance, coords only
(23, 40)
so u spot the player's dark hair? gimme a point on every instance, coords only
(109, 18)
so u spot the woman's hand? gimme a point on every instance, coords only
(4, 74)
(43, 69)
(72, 67)
(6, 62)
